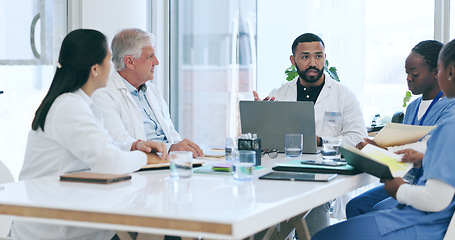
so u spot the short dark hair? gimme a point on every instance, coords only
(429, 50)
(80, 50)
(306, 37)
(447, 54)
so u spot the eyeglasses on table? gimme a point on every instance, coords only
(273, 153)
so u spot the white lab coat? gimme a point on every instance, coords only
(73, 139)
(334, 98)
(122, 117)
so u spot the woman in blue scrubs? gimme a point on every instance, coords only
(429, 109)
(426, 208)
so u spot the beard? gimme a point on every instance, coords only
(311, 79)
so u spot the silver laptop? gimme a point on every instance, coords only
(272, 120)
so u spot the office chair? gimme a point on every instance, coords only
(397, 117)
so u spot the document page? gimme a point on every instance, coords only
(395, 134)
(397, 168)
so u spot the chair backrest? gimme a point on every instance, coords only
(397, 117)
(5, 174)
(5, 223)
(450, 234)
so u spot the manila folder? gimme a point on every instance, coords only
(395, 134)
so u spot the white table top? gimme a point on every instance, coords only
(205, 205)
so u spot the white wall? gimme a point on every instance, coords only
(280, 24)
(110, 16)
(273, 56)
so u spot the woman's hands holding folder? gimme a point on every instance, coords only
(391, 185)
(411, 155)
(360, 145)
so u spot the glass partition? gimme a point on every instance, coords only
(213, 65)
(367, 41)
(32, 31)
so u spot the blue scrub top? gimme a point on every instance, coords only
(441, 110)
(438, 163)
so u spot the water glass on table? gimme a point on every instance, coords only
(293, 146)
(244, 165)
(331, 148)
(181, 164)
(229, 150)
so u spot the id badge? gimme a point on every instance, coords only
(332, 117)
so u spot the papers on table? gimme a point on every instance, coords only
(214, 153)
(157, 166)
(395, 134)
(208, 153)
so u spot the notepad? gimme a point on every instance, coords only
(91, 177)
(223, 167)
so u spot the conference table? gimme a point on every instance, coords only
(208, 206)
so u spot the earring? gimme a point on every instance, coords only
(450, 79)
(96, 74)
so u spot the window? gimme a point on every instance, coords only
(367, 41)
(452, 19)
(213, 66)
(27, 63)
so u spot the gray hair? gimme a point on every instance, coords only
(130, 42)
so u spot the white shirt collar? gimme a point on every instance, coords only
(84, 96)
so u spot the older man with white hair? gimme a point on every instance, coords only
(133, 107)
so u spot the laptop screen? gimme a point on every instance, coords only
(272, 120)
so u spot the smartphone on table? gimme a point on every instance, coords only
(323, 163)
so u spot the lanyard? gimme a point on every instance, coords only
(428, 110)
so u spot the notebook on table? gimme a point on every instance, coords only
(91, 177)
(299, 176)
(296, 165)
(271, 120)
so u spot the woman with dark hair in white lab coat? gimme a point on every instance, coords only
(67, 131)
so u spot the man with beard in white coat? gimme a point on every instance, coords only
(133, 107)
(337, 111)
